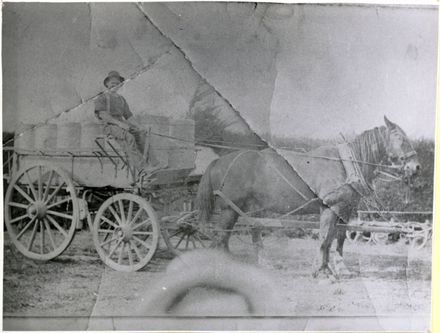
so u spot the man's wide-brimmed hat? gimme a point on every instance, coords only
(113, 74)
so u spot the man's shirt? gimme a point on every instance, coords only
(114, 104)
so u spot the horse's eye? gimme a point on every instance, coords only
(402, 158)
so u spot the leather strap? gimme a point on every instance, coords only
(230, 166)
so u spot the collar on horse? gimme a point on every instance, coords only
(359, 173)
(355, 178)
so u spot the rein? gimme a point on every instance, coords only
(372, 145)
(294, 152)
(409, 154)
(389, 175)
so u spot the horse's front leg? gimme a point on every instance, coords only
(328, 233)
(340, 241)
(340, 267)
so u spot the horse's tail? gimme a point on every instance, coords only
(205, 195)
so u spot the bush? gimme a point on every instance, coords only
(393, 194)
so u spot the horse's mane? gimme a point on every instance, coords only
(370, 147)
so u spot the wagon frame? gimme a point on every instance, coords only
(46, 202)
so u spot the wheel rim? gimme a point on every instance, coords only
(419, 236)
(188, 237)
(367, 236)
(184, 233)
(352, 236)
(419, 241)
(380, 237)
(126, 232)
(41, 211)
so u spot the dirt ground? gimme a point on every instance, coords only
(387, 281)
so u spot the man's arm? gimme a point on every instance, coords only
(127, 114)
(105, 116)
(130, 122)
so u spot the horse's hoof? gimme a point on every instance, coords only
(324, 272)
(347, 274)
(325, 282)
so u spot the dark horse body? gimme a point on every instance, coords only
(263, 180)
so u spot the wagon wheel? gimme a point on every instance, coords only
(183, 232)
(41, 211)
(419, 235)
(352, 236)
(126, 232)
(367, 236)
(379, 237)
(420, 239)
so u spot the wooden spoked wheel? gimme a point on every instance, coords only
(352, 236)
(126, 232)
(367, 237)
(419, 235)
(183, 233)
(380, 237)
(41, 211)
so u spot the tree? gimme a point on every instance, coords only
(214, 121)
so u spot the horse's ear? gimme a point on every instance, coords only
(389, 123)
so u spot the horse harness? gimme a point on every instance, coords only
(219, 192)
(354, 176)
(222, 183)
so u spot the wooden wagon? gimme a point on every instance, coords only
(62, 175)
(413, 226)
(58, 181)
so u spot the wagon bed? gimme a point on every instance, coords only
(52, 189)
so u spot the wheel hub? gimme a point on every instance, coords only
(37, 209)
(125, 233)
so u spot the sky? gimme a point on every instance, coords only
(291, 70)
(345, 68)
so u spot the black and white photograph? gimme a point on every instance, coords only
(218, 166)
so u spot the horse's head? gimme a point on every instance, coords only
(400, 151)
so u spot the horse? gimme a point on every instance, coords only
(310, 183)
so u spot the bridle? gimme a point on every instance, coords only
(403, 158)
(408, 155)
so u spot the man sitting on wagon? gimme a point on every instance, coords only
(113, 110)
